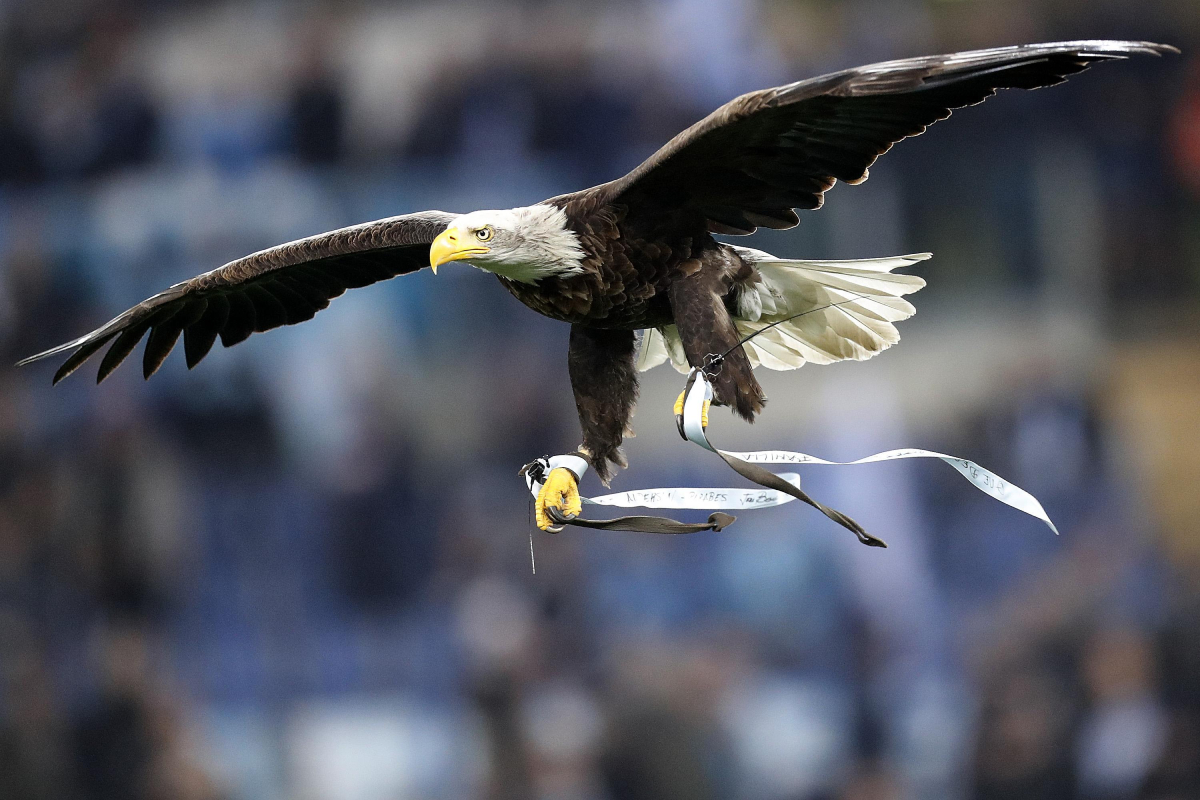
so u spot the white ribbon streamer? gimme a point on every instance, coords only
(985, 480)
(706, 499)
(679, 497)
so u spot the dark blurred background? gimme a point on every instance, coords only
(302, 571)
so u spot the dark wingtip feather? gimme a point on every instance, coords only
(30, 359)
(160, 344)
(165, 334)
(239, 322)
(1145, 48)
(199, 337)
(78, 357)
(53, 351)
(197, 341)
(121, 349)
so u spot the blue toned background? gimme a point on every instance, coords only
(302, 569)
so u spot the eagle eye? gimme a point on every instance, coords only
(484, 233)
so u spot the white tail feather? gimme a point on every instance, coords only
(863, 300)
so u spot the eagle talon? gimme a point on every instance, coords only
(558, 501)
(703, 409)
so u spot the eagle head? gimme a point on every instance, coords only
(521, 244)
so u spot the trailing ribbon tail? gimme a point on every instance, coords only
(762, 477)
(985, 480)
(778, 488)
(648, 524)
(692, 427)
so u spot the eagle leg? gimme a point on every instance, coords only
(604, 381)
(559, 493)
(705, 328)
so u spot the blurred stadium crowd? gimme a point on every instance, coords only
(302, 570)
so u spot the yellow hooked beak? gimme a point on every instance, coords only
(449, 246)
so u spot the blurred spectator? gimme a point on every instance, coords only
(1124, 731)
(316, 115)
(127, 742)
(1025, 720)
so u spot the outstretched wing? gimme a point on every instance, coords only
(754, 159)
(279, 286)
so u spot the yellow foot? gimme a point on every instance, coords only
(703, 409)
(561, 492)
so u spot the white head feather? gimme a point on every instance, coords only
(527, 244)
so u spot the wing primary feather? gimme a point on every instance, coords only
(165, 334)
(121, 348)
(199, 337)
(240, 322)
(160, 344)
(280, 285)
(79, 356)
(53, 351)
(786, 145)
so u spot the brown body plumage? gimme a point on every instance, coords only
(636, 253)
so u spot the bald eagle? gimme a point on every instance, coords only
(638, 253)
